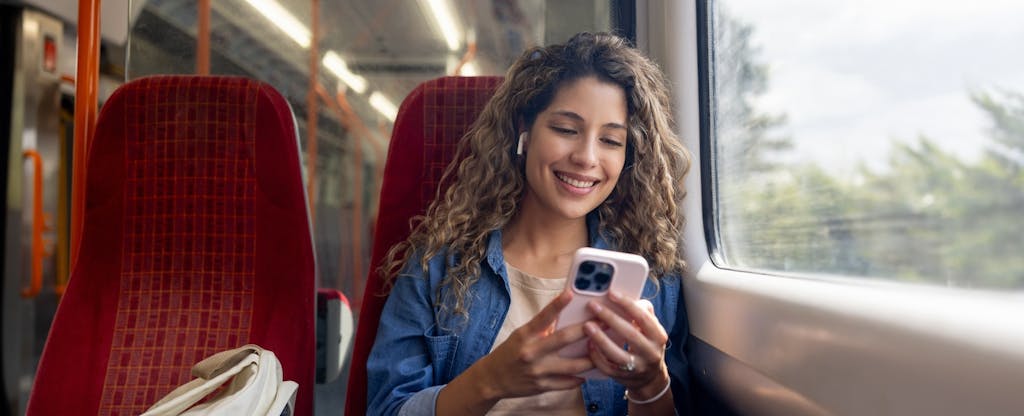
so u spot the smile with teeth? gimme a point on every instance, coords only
(574, 182)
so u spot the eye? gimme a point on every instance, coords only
(562, 130)
(612, 141)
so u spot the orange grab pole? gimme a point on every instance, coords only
(38, 227)
(466, 57)
(203, 37)
(86, 99)
(313, 109)
(359, 132)
(357, 202)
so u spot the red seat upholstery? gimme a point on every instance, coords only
(196, 240)
(430, 123)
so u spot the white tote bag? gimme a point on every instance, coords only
(254, 386)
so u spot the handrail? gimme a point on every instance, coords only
(313, 111)
(203, 37)
(351, 122)
(38, 226)
(466, 57)
(86, 103)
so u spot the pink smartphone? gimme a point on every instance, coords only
(593, 273)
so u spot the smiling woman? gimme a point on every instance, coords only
(492, 245)
(575, 150)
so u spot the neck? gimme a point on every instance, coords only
(542, 245)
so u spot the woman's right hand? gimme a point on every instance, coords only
(527, 363)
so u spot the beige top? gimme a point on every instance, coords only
(529, 295)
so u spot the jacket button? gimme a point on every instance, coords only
(592, 408)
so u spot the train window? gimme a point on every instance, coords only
(850, 142)
(372, 54)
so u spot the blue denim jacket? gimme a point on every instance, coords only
(413, 357)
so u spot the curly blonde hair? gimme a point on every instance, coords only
(642, 215)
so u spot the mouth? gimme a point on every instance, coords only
(576, 182)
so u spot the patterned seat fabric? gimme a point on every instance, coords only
(429, 125)
(196, 240)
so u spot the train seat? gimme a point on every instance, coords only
(196, 240)
(430, 122)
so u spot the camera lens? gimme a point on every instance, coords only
(582, 283)
(587, 267)
(602, 278)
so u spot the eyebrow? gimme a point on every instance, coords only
(574, 116)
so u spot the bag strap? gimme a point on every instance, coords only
(210, 374)
(220, 362)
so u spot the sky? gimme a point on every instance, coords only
(852, 76)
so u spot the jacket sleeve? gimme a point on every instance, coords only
(675, 354)
(402, 369)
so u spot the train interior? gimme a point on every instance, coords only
(896, 301)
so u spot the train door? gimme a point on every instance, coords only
(33, 182)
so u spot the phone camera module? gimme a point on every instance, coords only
(593, 276)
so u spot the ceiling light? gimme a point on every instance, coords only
(284, 20)
(335, 64)
(469, 69)
(445, 22)
(383, 105)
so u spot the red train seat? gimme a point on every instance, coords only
(430, 122)
(196, 240)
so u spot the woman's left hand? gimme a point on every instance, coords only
(642, 366)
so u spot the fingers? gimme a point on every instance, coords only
(565, 367)
(547, 316)
(609, 352)
(632, 368)
(561, 383)
(607, 365)
(641, 312)
(617, 324)
(646, 338)
(555, 341)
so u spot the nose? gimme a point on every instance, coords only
(585, 152)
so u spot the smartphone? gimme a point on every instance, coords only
(593, 273)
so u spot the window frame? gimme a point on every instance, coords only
(773, 343)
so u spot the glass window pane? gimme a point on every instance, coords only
(870, 138)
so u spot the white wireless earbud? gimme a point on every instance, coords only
(519, 147)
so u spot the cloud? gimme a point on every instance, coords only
(853, 77)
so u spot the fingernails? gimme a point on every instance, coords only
(596, 307)
(614, 294)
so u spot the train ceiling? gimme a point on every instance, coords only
(393, 45)
(390, 46)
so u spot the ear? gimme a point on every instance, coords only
(523, 137)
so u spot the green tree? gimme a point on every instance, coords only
(929, 215)
(744, 134)
(747, 149)
(1007, 132)
(952, 222)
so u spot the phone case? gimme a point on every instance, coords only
(626, 275)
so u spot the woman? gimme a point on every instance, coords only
(575, 149)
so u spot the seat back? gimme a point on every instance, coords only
(430, 122)
(196, 239)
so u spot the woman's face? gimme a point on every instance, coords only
(575, 149)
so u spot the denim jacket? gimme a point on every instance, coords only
(413, 357)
